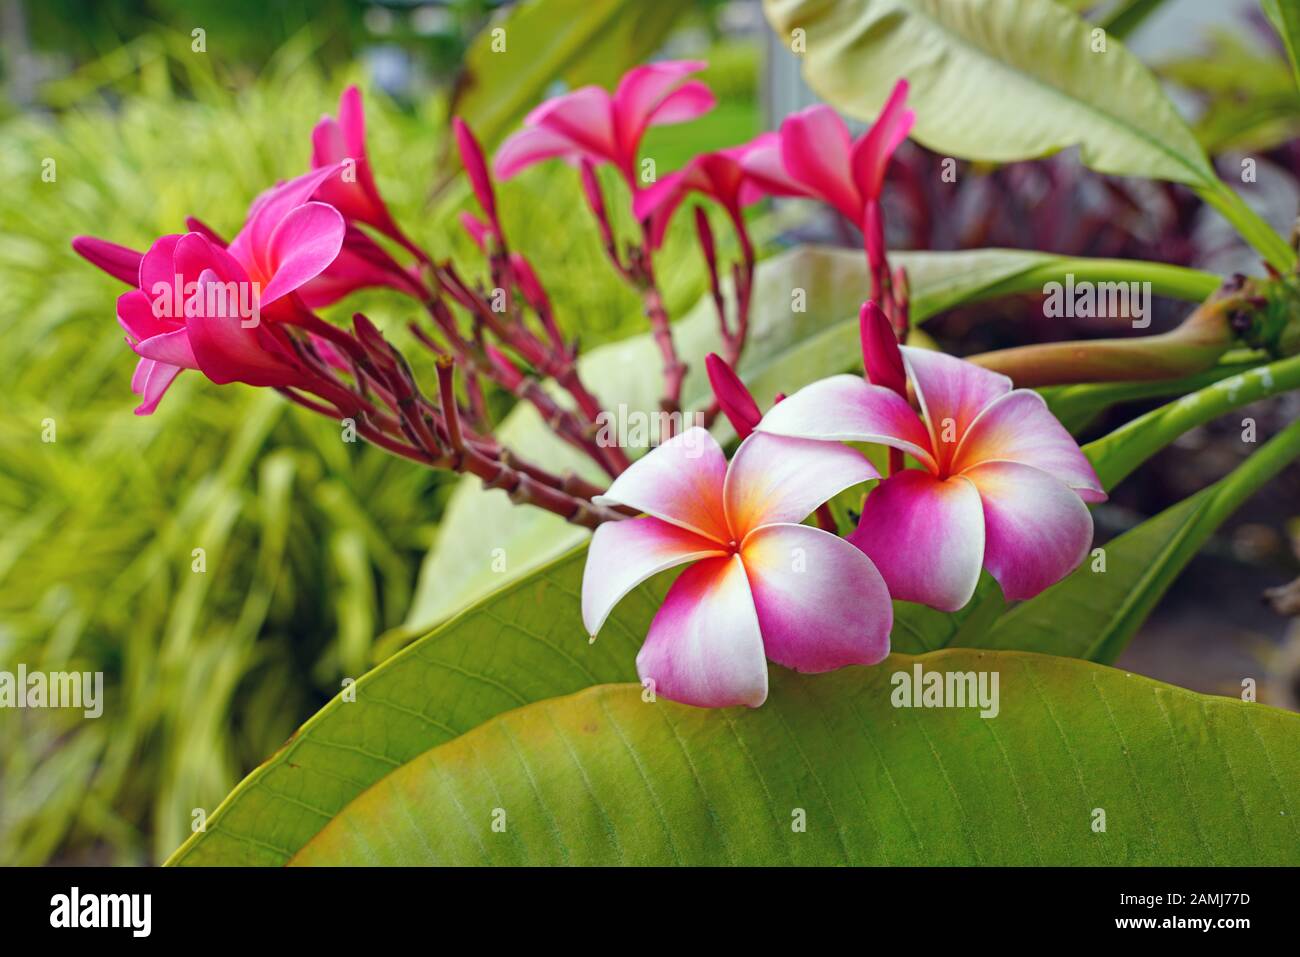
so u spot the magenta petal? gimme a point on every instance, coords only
(815, 152)
(327, 147)
(926, 537)
(1036, 531)
(1019, 427)
(624, 554)
(172, 348)
(821, 602)
(157, 272)
(680, 482)
(761, 161)
(704, 647)
(667, 189)
(951, 393)
(846, 409)
(872, 152)
(226, 350)
(775, 478)
(584, 116)
(154, 379)
(135, 314)
(646, 91)
(303, 245)
(687, 102)
(529, 146)
(352, 122)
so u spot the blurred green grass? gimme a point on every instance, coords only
(312, 544)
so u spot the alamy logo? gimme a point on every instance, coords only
(919, 688)
(54, 689)
(133, 911)
(1098, 300)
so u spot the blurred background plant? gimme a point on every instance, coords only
(311, 546)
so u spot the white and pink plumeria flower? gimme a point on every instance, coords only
(760, 585)
(1002, 484)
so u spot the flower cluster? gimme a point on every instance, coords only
(995, 482)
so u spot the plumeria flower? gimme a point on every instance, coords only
(815, 156)
(592, 124)
(759, 583)
(214, 330)
(200, 306)
(1002, 484)
(720, 176)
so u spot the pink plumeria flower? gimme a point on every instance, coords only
(209, 332)
(815, 156)
(1002, 484)
(591, 124)
(200, 306)
(720, 176)
(760, 585)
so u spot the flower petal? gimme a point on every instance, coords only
(704, 647)
(528, 146)
(646, 91)
(624, 554)
(880, 350)
(679, 482)
(1019, 427)
(157, 271)
(153, 379)
(228, 351)
(302, 247)
(172, 348)
(815, 148)
(1036, 531)
(135, 314)
(845, 408)
(872, 152)
(688, 101)
(926, 537)
(821, 602)
(584, 116)
(951, 393)
(761, 161)
(775, 478)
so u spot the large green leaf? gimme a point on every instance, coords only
(1006, 80)
(828, 771)
(576, 41)
(523, 644)
(484, 540)
(526, 644)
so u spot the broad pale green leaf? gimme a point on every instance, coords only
(542, 42)
(829, 771)
(1004, 80)
(481, 530)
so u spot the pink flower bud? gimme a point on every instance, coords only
(471, 156)
(118, 261)
(733, 398)
(880, 353)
